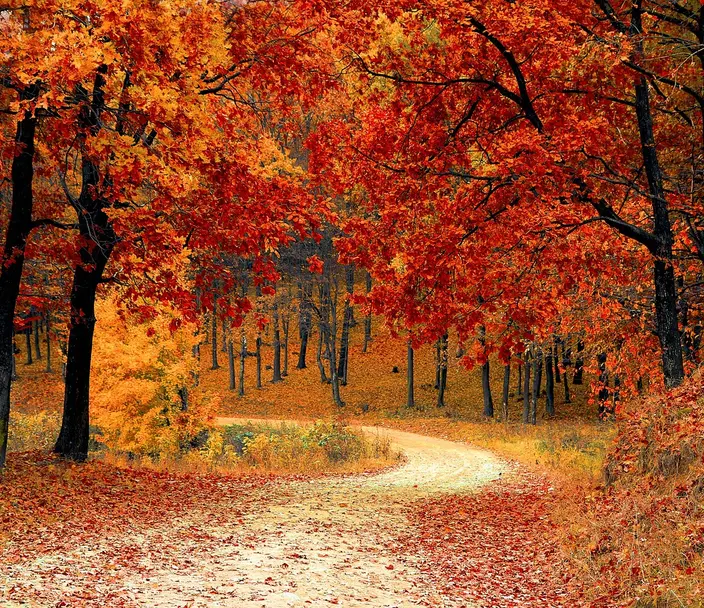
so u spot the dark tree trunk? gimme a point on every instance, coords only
(556, 361)
(368, 318)
(505, 394)
(277, 346)
(304, 322)
(549, 384)
(37, 350)
(566, 362)
(28, 345)
(231, 364)
(99, 239)
(537, 378)
(47, 337)
(526, 387)
(442, 374)
(604, 392)
(578, 377)
(243, 356)
(286, 322)
(258, 355)
(319, 355)
(664, 274)
(410, 392)
(73, 438)
(224, 332)
(347, 323)
(438, 359)
(486, 389)
(519, 386)
(214, 333)
(19, 225)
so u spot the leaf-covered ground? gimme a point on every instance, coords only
(421, 534)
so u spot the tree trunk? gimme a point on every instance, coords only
(504, 396)
(537, 377)
(368, 318)
(549, 383)
(304, 322)
(99, 239)
(442, 375)
(73, 438)
(556, 361)
(243, 356)
(519, 386)
(410, 392)
(566, 361)
(664, 274)
(486, 390)
(258, 355)
(526, 387)
(348, 320)
(214, 333)
(286, 322)
(37, 350)
(28, 345)
(47, 337)
(231, 364)
(277, 346)
(19, 224)
(578, 377)
(319, 357)
(604, 392)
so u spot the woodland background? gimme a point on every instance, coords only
(479, 220)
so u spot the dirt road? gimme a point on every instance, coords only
(313, 543)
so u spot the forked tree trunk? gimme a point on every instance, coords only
(348, 320)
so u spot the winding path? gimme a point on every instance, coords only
(332, 541)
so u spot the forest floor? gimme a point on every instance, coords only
(365, 540)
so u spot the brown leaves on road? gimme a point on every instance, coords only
(495, 548)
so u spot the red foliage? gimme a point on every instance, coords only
(497, 547)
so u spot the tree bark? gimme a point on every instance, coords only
(99, 240)
(286, 322)
(214, 333)
(304, 322)
(537, 377)
(526, 387)
(368, 317)
(243, 356)
(578, 377)
(258, 355)
(277, 346)
(566, 361)
(231, 364)
(486, 390)
(47, 337)
(348, 320)
(549, 383)
(37, 350)
(410, 392)
(19, 225)
(28, 345)
(442, 374)
(506, 390)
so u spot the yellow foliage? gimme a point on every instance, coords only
(143, 374)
